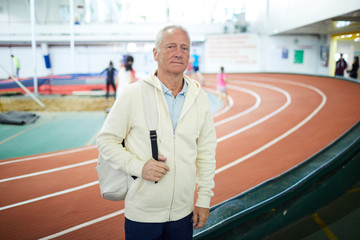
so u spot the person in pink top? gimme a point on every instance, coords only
(221, 84)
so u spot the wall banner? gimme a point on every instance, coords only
(235, 52)
(299, 56)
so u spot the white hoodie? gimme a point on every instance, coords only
(190, 152)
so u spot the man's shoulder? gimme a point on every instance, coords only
(133, 87)
(130, 93)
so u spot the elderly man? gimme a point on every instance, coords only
(186, 143)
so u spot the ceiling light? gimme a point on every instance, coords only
(341, 24)
(346, 36)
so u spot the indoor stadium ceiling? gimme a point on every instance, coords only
(346, 23)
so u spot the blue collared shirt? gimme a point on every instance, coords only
(175, 104)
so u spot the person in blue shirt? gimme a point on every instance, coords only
(196, 68)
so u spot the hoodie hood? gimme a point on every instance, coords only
(193, 86)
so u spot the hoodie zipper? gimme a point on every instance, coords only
(174, 170)
(174, 147)
(174, 137)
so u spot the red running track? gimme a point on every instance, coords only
(273, 123)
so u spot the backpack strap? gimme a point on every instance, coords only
(151, 114)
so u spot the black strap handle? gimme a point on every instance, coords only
(154, 147)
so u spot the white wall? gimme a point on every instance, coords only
(26, 61)
(91, 59)
(235, 52)
(310, 45)
(262, 53)
(254, 53)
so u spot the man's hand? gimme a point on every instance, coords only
(200, 216)
(154, 170)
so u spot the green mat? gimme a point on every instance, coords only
(51, 132)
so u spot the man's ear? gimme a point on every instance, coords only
(155, 54)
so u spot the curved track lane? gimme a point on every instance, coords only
(274, 122)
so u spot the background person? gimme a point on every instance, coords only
(126, 75)
(341, 65)
(354, 68)
(110, 73)
(17, 64)
(196, 68)
(186, 146)
(221, 84)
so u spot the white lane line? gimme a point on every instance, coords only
(49, 155)
(238, 115)
(287, 133)
(114, 214)
(48, 171)
(263, 119)
(50, 195)
(224, 110)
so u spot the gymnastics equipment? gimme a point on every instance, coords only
(24, 88)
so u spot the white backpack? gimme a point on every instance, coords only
(114, 184)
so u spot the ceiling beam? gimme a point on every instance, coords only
(344, 18)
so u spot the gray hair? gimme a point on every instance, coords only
(161, 33)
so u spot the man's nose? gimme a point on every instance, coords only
(179, 52)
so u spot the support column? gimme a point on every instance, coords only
(72, 41)
(332, 51)
(33, 45)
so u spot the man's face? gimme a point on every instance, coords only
(173, 53)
